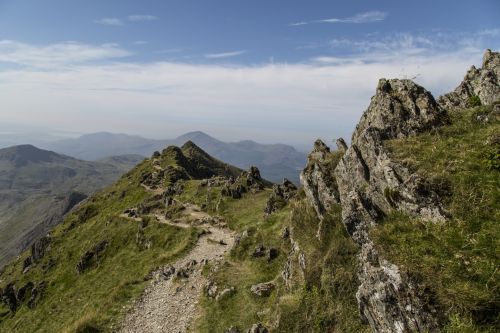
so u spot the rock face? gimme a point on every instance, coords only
(482, 82)
(368, 185)
(371, 185)
(318, 180)
(369, 182)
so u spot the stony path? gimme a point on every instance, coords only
(169, 303)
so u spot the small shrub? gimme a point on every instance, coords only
(391, 195)
(492, 160)
(474, 101)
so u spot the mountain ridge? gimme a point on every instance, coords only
(397, 232)
(274, 160)
(38, 187)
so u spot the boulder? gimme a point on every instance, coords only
(259, 251)
(91, 258)
(39, 248)
(258, 328)
(263, 289)
(280, 196)
(9, 296)
(225, 293)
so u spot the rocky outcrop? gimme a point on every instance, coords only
(280, 196)
(92, 257)
(14, 297)
(370, 185)
(263, 289)
(482, 82)
(318, 179)
(258, 328)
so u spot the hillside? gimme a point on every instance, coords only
(37, 187)
(274, 160)
(395, 233)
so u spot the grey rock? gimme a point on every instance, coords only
(225, 293)
(91, 258)
(285, 233)
(259, 251)
(482, 82)
(211, 289)
(233, 329)
(258, 328)
(341, 145)
(39, 248)
(9, 298)
(263, 289)
(319, 183)
(371, 185)
(280, 196)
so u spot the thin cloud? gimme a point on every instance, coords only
(366, 17)
(113, 21)
(295, 101)
(225, 54)
(58, 54)
(141, 42)
(141, 18)
(296, 24)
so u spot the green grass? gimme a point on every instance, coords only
(456, 261)
(321, 299)
(325, 300)
(242, 270)
(99, 297)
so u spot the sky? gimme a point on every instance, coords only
(272, 71)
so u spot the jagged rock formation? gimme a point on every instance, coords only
(280, 196)
(318, 180)
(368, 184)
(371, 184)
(482, 82)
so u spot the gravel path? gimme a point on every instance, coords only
(169, 303)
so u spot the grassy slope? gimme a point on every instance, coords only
(321, 299)
(458, 260)
(33, 197)
(96, 298)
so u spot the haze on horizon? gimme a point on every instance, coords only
(260, 70)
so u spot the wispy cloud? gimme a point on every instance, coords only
(366, 17)
(141, 17)
(225, 54)
(59, 54)
(113, 21)
(291, 102)
(296, 24)
(141, 42)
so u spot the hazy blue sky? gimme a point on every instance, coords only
(287, 71)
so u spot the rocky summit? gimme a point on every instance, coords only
(396, 231)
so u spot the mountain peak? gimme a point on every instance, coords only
(197, 136)
(22, 154)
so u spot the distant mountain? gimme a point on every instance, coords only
(37, 187)
(275, 161)
(95, 146)
(123, 162)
